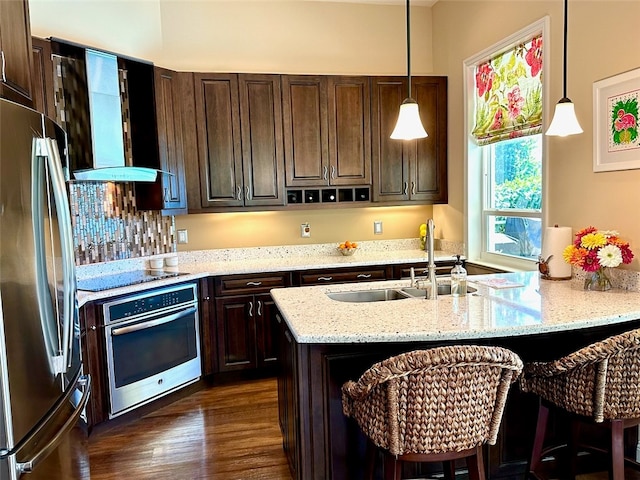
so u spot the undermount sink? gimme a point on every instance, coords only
(384, 295)
(369, 296)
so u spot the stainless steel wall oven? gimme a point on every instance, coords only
(152, 345)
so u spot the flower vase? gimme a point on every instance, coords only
(598, 281)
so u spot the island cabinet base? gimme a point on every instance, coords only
(322, 444)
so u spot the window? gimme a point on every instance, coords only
(505, 151)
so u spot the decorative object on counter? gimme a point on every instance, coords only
(423, 235)
(171, 261)
(594, 251)
(347, 248)
(550, 262)
(156, 263)
(458, 279)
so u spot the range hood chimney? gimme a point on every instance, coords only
(107, 137)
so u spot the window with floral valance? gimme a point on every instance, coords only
(508, 100)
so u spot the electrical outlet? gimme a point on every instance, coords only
(377, 227)
(182, 236)
(305, 230)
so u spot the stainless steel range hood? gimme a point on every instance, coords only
(107, 137)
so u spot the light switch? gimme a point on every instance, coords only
(182, 236)
(377, 227)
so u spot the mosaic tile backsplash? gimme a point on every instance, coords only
(107, 226)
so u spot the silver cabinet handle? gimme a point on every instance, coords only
(153, 323)
(325, 173)
(166, 194)
(248, 194)
(259, 308)
(254, 284)
(413, 188)
(251, 309)
(364, 275)
(326, 279)
(406, 188)
(4, 76)
(333, 172)
(239, 194)
(206, 299)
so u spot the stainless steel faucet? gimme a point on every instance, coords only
(432, 291)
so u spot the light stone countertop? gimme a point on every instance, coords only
(534, 306)
(198, 264)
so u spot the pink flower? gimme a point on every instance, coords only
(497, 120)
(627, 254)
(591, 262)
(484, 78)
(534, 56)
(624, 121)
(516, 101)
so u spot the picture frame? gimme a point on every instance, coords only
(616, 123)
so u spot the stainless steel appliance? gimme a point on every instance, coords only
(42, 389)
(152, 344)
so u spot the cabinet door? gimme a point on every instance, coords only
(304, 108)
(266, 331)
(169, 192)
(219, 145)
(262, 146)
(390, 159)
(349, 115)
(15, 52)
(42, 77)
(236, 333)
(428, 171)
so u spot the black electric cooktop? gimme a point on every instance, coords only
(123, 279)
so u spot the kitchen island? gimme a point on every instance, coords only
(326, 342)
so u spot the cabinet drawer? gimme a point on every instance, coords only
(319, 277)
(241, 284)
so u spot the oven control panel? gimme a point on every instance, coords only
(145, 304)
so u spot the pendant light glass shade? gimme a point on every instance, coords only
(564, 120)
(409, 125)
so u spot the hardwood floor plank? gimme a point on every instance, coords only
(227, 432)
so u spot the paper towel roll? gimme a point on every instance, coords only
(556, 239)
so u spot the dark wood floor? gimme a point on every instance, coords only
(227, 432)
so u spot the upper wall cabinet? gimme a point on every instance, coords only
(15, 52)
(240, 150)
(169, 192)
(414, 170)
(327, 130)
(42, 77)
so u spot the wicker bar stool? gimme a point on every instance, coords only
(433, 405)
(599, 383)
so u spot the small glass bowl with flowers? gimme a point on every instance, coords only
(594, 251)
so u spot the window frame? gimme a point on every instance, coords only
(474, 165)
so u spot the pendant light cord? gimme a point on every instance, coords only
(409, 47)
(564, 66)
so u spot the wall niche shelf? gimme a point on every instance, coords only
(328, 195)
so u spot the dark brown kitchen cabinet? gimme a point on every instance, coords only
(239, 125)
(42, 77)
(169, 192)
(327, 130)
(343, 275)
(15, 52)
(245, 320)
(414, 170)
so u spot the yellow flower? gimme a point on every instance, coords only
(593, 240)
(574, 255)
(423, 230)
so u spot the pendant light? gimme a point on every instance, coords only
(409, 125)
(564, 119)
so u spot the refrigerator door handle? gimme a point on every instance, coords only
(84, 383)
(66, 235)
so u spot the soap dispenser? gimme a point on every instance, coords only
(458, 279)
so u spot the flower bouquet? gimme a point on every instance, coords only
(594, 250)
(423, 235)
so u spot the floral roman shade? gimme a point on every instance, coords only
(508, 100)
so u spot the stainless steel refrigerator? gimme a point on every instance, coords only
(43, 391)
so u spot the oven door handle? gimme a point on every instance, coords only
(153, 323)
